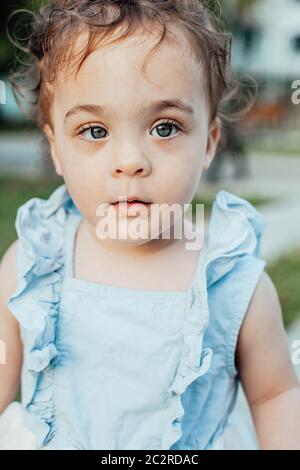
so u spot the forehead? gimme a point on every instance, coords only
(114, 74)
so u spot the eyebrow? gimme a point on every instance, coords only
(153, 108)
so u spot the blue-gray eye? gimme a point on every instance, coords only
(96, 132)
(164, 129)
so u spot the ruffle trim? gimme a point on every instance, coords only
(40, 227)
(235, 224)
(235, 229)
(194, 362)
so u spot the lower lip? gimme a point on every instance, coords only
(132, 208)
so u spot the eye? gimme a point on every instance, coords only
(94, 132)
(165, 128)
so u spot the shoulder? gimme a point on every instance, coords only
(234, 285)
(8, 269)
(9, 255)
(264, 310)
(263, 357)
(266, 290)
(8, 275)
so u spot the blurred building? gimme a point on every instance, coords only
(267, 44)
(266, 47)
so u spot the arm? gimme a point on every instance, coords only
(10, 339)
(266, 371)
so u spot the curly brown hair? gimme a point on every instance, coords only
(54, 28)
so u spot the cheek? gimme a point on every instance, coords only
(180, 179)
(87, 197)
(81, 169)
(87, 186)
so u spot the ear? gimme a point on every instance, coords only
(50, 136)
(212, 142)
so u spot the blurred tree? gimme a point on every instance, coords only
(238, 19)
(6, 48)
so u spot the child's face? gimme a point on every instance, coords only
(128, 152)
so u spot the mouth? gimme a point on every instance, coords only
(130, 201)
(131, 207)
(128, 204)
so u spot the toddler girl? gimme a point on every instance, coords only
(127, 341)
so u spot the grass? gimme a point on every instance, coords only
(285, 275)
(275, 151)
(279, 142)
(13, 193)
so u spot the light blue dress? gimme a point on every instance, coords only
(108, 367)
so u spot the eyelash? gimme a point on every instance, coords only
(166, 121)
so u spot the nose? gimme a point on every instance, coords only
(130, 163)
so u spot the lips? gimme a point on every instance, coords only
(133, 207)
(131, 203)
(130, 200)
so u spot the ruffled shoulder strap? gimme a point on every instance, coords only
(40, 226)
(235, 229)
(231, 246)
(234, 235)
